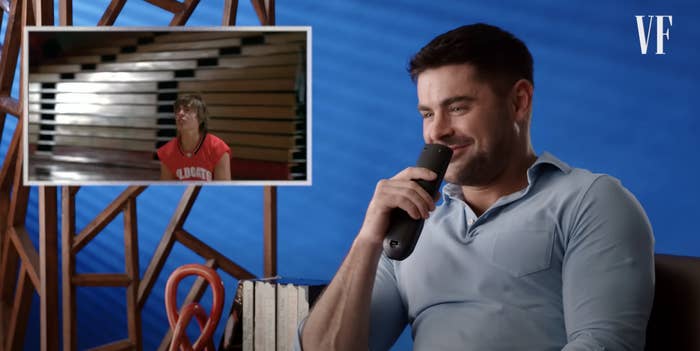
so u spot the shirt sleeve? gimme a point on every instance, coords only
(388, 315)
(164, 156)
(217, 148)
(608, 271)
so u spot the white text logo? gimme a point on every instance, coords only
(645, 33)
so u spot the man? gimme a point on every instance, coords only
(194, 154)
(524, 253)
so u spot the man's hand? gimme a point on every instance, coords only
(398, 192)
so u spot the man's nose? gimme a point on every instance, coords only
(440, 127)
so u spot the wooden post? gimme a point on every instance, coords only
(230, 11)
(48, 268)
(131, 257)
(65, 12)
(68, 268)
(270, 231)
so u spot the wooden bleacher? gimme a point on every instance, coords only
(99, 111)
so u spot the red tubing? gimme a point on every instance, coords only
(179, 322)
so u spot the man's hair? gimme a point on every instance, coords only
(195, 103)
(500, 59)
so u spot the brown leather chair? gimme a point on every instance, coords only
(674, 324)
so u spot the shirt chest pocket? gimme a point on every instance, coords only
(523, 251)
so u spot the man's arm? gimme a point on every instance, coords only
(340, 319)
(608, 271)
(222, 170)
(165, 173)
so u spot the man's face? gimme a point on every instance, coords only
(186, 118)
(465, 114)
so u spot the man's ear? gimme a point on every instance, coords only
(521, 100)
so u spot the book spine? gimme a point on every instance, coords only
(265, 317)
(248, 315)
(282, 316)
(303, 302)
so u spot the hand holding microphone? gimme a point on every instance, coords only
(404, 231)
(401, 204)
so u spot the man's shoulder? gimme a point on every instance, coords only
(567, 179)
(212, 139)
(167, 149)
(213, 142)
(581, 187)
(215, 147)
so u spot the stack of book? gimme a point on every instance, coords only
(266, 313)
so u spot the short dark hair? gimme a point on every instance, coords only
(499, 57)
(196, 103)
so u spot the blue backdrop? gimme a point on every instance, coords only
(599, 104)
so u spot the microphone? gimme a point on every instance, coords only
(404, 231)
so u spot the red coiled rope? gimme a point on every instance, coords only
(179, 322)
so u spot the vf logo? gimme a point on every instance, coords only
(644, 31)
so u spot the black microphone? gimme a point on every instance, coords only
(404, 231)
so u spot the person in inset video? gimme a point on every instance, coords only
(524, 253)
(194, 154)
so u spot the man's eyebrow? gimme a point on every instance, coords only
(449, 101)
(461, 98)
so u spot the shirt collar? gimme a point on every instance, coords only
(547, 158)
(453, 191)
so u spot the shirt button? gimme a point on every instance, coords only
(470, 221)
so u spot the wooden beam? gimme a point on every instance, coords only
(73, 190)
(10, 47)
(270, 12)
(270, 231)
(105, 217)
(265, 9)
(182, 16)
(44, 13)
(28, 18)
(166, 243)
(168, 5)
(68, 268)
(27, 252)
(259, 8)
(20, 312)
(110, 15)
(8, 274)
(65, 12)
(230, 11)
(10, 105)
(115, 346)
(5, 309)
(204, 250)
(48, 266)
(3, 114)
(194, 295)
(155, 266)
(8, 170)
(14, 201)
(101, 279)
(20, 194)
(131, 258)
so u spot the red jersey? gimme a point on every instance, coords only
(198, 165)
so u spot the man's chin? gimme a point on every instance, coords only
(463, 176)
(451, 177)
(454, 172)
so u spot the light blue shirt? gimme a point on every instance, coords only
(564, 264)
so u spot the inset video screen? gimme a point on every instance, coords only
(160, 105)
